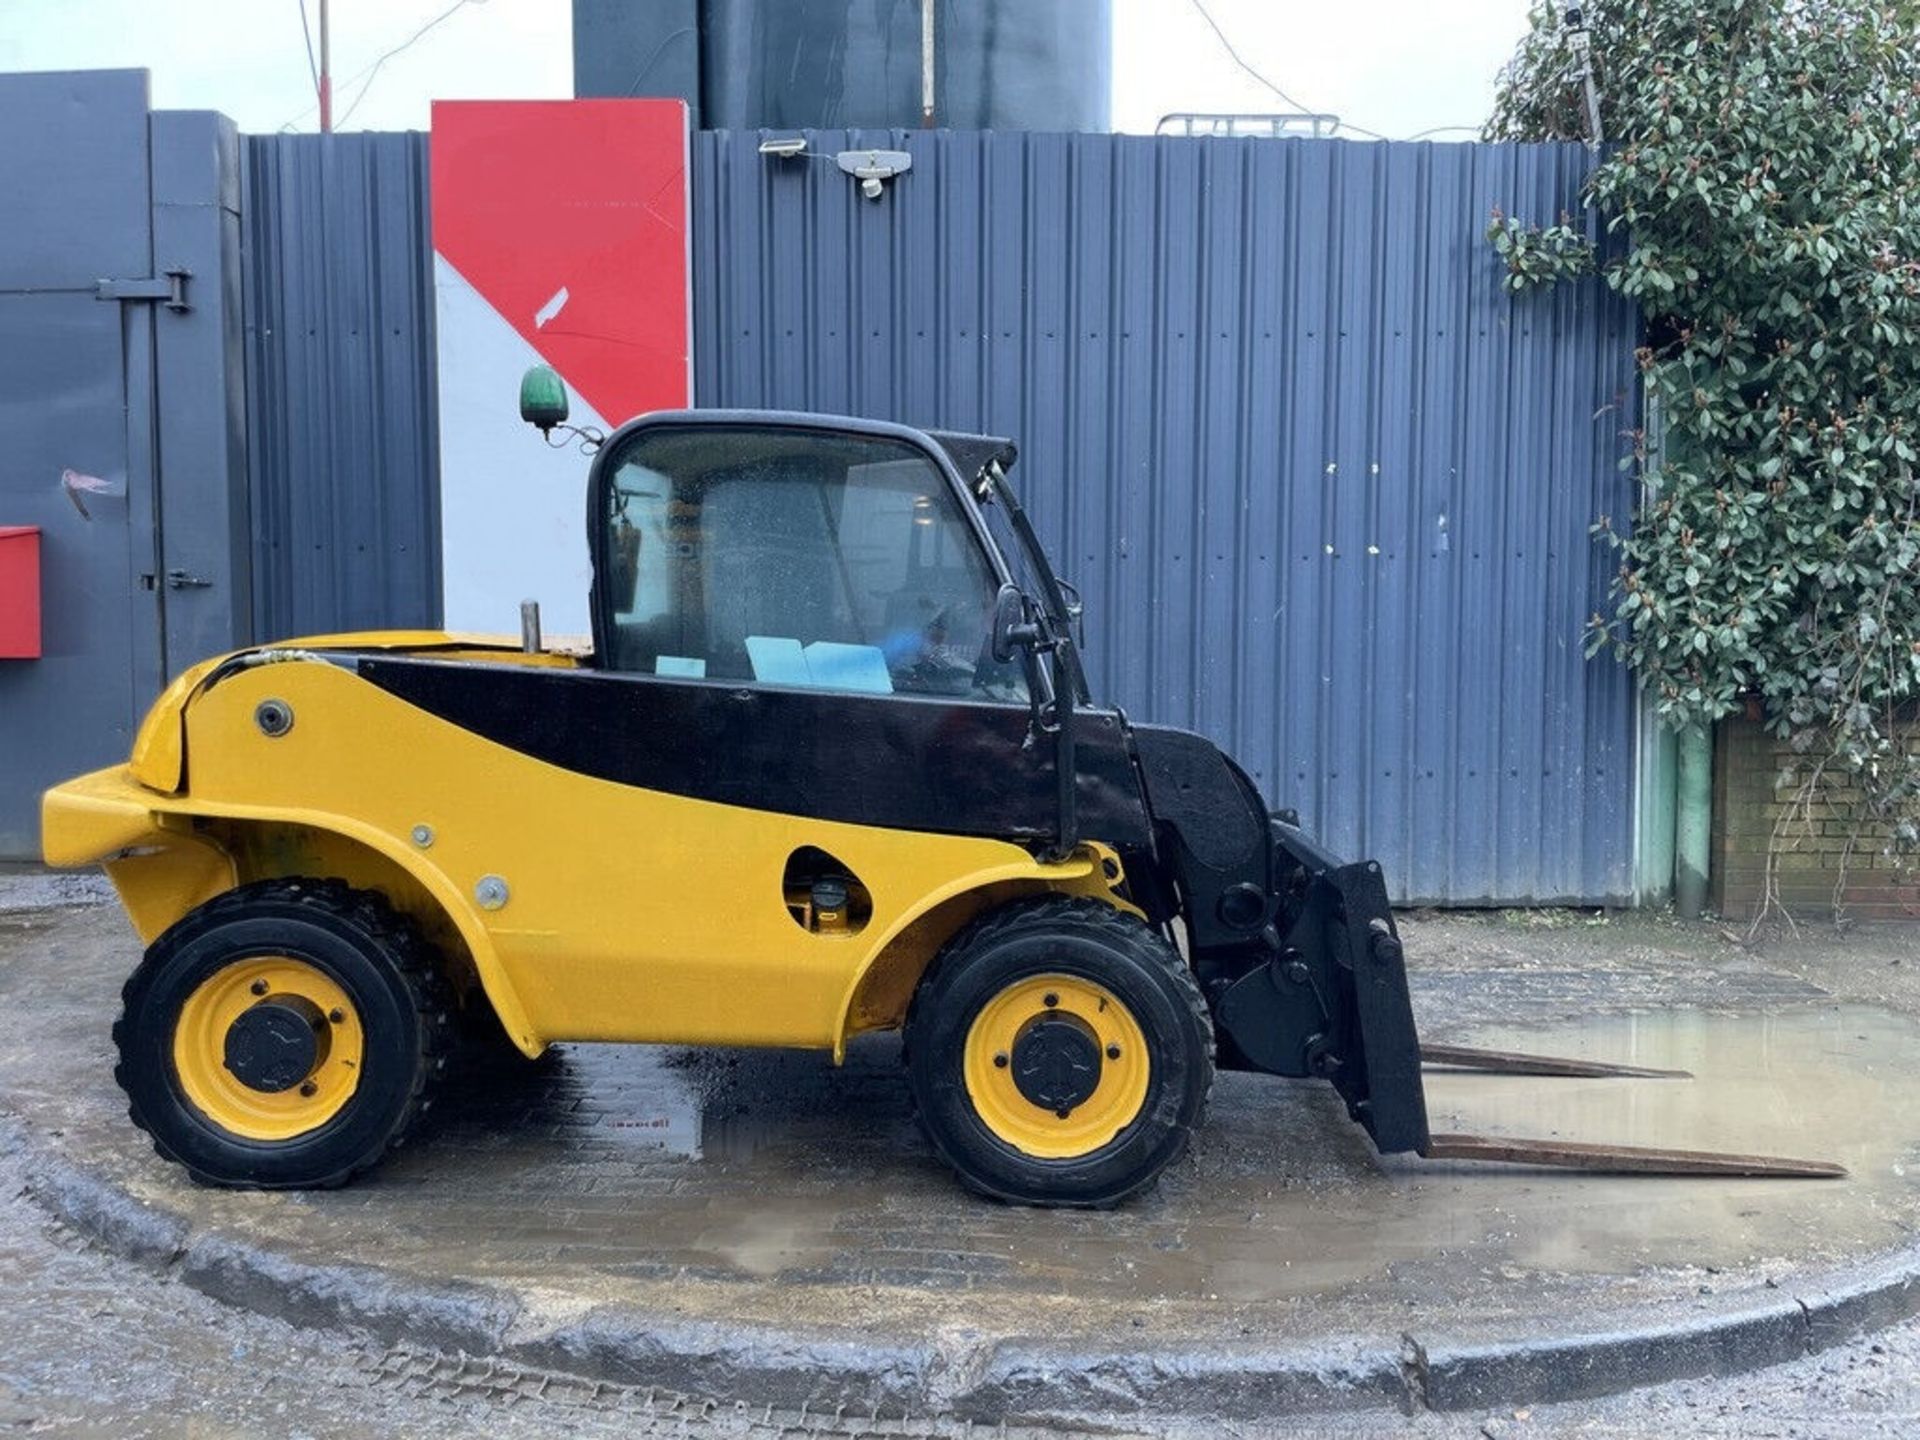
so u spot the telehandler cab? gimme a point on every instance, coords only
(830, 766)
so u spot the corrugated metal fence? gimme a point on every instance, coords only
(343, 452)
(1325, 485)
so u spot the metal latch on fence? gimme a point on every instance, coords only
(168, 287)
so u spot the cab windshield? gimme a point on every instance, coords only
(795, 557)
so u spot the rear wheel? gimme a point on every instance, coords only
(285, 1034)
(1059, 1054)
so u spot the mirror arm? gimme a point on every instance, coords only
(1026, 636)
(1076, 611)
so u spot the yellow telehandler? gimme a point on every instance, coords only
(829, 766)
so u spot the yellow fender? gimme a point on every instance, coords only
(881, 988)
(163, 869)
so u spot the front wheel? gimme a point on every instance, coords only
(1059, 1053)
(284, 1034)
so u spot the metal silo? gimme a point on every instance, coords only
(811, 64)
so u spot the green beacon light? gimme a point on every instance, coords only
(543, 398)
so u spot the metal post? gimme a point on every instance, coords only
(1656, 790)
(1694, 827)
(926, 64)
(530, 626)
(326, 73)
(1582, 44)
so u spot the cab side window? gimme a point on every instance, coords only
(789, 557)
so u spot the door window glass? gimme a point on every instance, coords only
(796, 558)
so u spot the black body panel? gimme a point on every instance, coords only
(906, 763)
(1193, 787)
(1212, 827)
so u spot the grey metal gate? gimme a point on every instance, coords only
(97, 343)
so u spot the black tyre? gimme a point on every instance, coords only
(1059, 1054)
(286, 1034)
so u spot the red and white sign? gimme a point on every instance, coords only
(19, 592)
(560, 235)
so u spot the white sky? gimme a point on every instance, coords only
(1393, 66)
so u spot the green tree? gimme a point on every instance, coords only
(1763, 167)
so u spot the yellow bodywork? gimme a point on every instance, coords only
(628, 914)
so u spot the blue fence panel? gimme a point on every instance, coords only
(1325, 484)
(343, 444)
(1327, 487)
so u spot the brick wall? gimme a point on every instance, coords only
(1746, 809)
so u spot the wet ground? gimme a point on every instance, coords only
(768, 1185)
(773, 1189)
(90, 1346)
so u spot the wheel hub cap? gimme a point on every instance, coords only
(276, 1044)
(1056, 1062)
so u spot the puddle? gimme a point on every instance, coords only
(1839, 1083)
(764, 1164)
(1829, 1083)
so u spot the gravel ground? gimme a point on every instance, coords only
(24, 890)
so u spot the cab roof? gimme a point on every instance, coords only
(972, 454)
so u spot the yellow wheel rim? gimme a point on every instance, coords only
(993, 1050)
(200, 1041)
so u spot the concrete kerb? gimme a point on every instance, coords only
(964, 1375)
(1037, 1382)
(1808, 1316)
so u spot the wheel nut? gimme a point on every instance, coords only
(1113, 1052)
(1049, 1000)
(1000, 1060)
(307, 1089)
(259, 987)
(339, 1016)
(1063, 1114)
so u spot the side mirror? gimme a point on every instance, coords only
(1012, 630)
(543, 398)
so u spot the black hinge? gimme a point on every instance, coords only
(169, 288)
